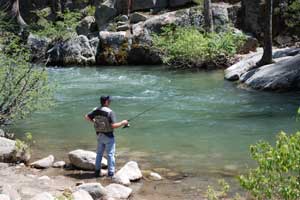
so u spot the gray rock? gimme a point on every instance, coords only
(4, 197)
(86, 26)
(43, 196)
(137, 17)
(155, 176)
(124, 27)
(7, 149)
(2, 133)
(84, 159)
(96, 190)
(178, 3)
(59, 164)
(118, 191)
(281, 76)
(76, 50)
(9, 191)
(44, 178)
(234, 72)
(122, 18)
(283, 40)
(43, 163)
(130, 172)
(220, 16)
(81, 195)
(104, 14)
(38, 47)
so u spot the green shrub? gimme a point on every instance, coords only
(292, 14)
(188, 47)
(24, 87)
(63, 28)
(278, 173)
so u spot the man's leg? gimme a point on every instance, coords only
(110, 150)
(100, 151)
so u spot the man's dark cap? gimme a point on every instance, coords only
(104, 98)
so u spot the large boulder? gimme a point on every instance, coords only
(76, 50)
(104, 13)
(38, 47)
(281, 76)
(130, 172)
(234, 72)
(96, 190)
(43, 163)
(113, 48)
(117, 191)
(84, 159)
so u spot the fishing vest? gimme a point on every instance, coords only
(102, 122)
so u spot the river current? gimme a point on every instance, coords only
(200, 122)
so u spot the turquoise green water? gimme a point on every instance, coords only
(203, 123)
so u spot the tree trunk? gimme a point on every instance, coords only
(208, 17)
(16, 13)
(267, 56)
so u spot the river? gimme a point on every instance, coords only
(201, 123)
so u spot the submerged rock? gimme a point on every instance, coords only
(96, 190)
(130, 172)
(43, 163)
(84, 159)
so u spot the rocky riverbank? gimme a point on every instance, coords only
(74, 179)
(108, 38)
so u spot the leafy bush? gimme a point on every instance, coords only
(278, 173)
(24, 87)
(63, 28)
(188, 47)
(292, 14)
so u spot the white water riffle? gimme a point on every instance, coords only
(201, 123)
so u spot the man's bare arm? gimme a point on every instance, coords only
(119, 124)
(88, 119)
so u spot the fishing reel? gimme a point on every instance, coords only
(126, 126)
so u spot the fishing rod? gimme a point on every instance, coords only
(145, 111)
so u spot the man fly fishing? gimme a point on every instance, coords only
(104, 120)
